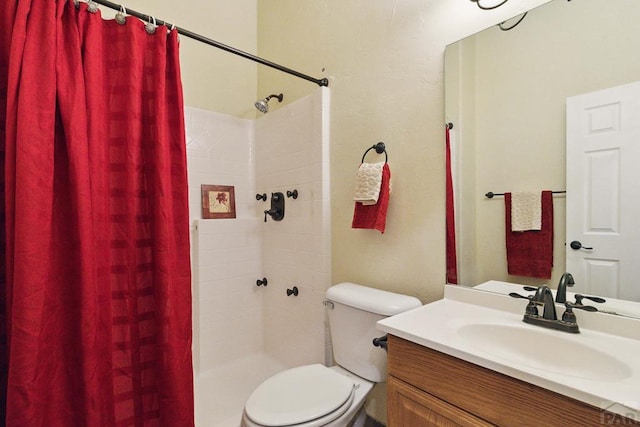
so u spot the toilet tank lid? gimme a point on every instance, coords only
(370, 299)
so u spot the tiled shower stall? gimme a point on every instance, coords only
(244, 333)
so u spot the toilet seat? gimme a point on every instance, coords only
(311, 395)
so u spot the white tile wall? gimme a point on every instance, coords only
(219, 151)
(229, 305)
(284, 150)
(226, 258)
(292, 153)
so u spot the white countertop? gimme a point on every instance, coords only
(438, 325)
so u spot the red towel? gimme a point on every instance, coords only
(374, 216)
(530, 253)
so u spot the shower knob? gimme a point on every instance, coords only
(262, 282)
(293, 291)
(262, 197)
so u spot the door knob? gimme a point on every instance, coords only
(577, 245)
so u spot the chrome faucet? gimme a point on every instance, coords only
(561, 293)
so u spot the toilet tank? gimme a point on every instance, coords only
(353, 313)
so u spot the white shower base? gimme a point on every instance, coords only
(220, 393)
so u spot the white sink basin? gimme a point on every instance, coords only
(550, 351)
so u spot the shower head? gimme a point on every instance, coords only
(263, 104)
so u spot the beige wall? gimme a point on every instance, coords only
(384, 60)
(513, 115)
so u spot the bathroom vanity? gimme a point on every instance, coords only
(430, 388)
(447, 369)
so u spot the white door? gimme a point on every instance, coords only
(603, 192)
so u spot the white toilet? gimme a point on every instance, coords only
(315, 395)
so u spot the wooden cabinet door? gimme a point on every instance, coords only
(409, 406)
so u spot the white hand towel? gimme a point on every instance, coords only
(368, 182)
(526, 211)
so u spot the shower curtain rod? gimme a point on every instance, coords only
(210, 42)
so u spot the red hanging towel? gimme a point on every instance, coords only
(530, 253)
(374, 216)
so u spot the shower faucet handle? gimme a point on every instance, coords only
(277, 207)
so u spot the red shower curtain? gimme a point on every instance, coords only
(452, 263)
(98, 281)
(7, 12)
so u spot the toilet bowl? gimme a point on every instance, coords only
(316, 395)
(309, 396)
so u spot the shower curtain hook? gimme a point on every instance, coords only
(121, 16)
(149, 26)
(173, 27)
(76, 3)
(92, 6)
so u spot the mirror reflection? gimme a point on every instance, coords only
(506, 93)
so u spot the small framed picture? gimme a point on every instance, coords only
(218, 201)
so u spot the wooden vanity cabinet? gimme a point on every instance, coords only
(429, 388)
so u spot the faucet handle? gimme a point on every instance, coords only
(532, 308)
(571, 305)
(589, 297)
(517, 295)
(569, 315)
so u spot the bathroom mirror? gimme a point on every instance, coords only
(505, 93)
